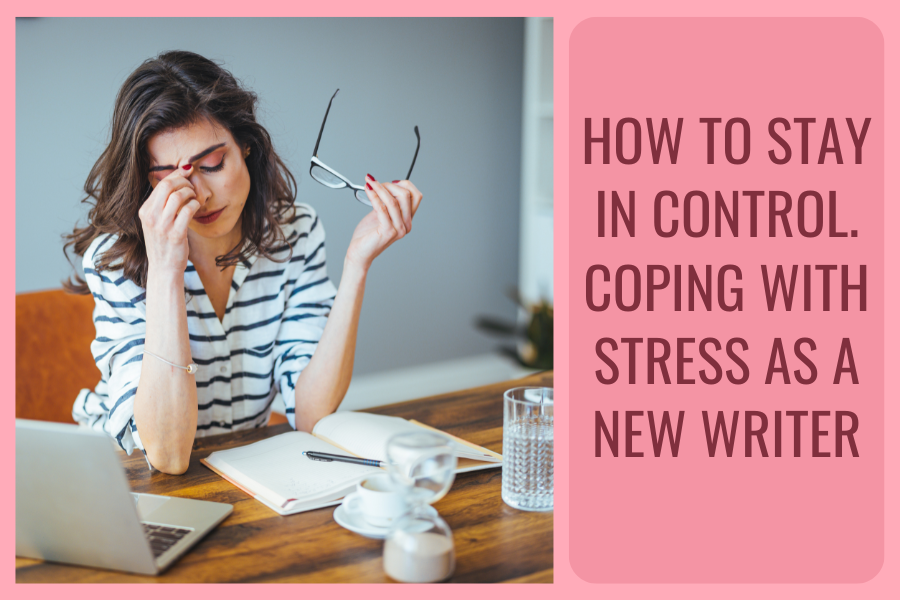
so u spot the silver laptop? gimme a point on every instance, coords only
(73, 505)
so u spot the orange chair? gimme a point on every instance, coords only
(54, 331)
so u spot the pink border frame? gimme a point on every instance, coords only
(885, 14)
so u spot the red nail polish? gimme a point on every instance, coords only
(187, 167)
(396, 181)
(370, 177)
(368, 187)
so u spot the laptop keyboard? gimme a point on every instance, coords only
(162, 538)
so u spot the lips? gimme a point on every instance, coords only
(208, 217)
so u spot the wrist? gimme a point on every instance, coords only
(165, 278)
(354, 273)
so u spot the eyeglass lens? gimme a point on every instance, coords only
(326, 177)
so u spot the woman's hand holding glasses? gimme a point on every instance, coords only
(394, 204)
(393, 207)
(165, 217)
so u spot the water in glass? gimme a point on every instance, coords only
(528, 449)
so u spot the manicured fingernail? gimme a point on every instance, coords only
(370, 177)
(396, 181)
(187, 167)
(368, 187)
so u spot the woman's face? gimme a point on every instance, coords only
(220, 176)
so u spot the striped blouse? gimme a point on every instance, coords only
(275, 316)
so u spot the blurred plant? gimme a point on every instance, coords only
(533, 333)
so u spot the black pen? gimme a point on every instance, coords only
(369, 462)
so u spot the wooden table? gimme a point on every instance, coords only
(494, 543)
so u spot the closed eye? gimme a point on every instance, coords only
(214, 169)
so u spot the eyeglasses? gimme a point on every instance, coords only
(331, 178)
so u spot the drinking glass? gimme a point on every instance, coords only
(528, 448)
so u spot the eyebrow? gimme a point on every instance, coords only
(191, 159)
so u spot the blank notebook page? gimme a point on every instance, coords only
(366, 435)
(277, 464)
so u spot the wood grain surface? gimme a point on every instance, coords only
(494, 543)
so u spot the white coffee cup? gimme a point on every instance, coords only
(376, 501)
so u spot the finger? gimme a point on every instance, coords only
(404, 199)
(380, 210)
(174, 181)
(389, 202)
(175, 201)
(184, 217)
(416, 194)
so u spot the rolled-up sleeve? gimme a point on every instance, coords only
(309, 298)
(119, 320)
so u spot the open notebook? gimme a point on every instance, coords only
(275, 472)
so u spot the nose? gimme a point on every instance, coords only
(200, 188)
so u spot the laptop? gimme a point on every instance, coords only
(73, 505)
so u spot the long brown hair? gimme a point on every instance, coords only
(172, 91)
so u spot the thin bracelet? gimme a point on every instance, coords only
(191, 368)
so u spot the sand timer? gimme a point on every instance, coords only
(419, 546)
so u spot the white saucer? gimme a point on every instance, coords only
(355, 523)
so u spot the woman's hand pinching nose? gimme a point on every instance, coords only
(165, 218)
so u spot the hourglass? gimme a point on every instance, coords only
(419, 546)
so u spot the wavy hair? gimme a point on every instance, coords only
(171, 91)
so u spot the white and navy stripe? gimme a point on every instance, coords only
(275, 316)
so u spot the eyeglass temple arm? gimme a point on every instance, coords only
(322, 128)
(418, 143)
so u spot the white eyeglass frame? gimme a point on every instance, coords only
(359, 191)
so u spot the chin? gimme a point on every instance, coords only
(221, 227)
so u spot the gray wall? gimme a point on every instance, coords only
(460, 80)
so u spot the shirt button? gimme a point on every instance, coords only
(223, 369)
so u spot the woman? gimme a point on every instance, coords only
(210, 283)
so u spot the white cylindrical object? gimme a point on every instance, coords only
(419, 557)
